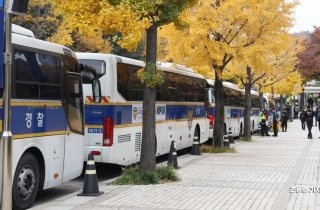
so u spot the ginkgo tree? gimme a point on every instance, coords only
(272, 59)
(283, 64)
(131, 18)
(96, 18)
(222, 31)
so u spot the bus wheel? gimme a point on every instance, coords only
(26, 182)
(241, 130)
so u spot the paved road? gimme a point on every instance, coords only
(105, 172)
(268, 173)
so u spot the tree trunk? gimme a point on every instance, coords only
(247, 106)
(262, 105)
(247, 111)
(148, 153)
(218, 129)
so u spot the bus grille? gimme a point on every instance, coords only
(124, 138)
(138, 142)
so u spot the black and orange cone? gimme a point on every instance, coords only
(90, 187)
(172, 159)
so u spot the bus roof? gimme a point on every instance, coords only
(168, 67)
(22, 31)
(24, 37)
(226, 84)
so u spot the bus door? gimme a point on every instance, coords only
(73, 154)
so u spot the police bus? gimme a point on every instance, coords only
(114, 127)
(234, 98)
(47, 120)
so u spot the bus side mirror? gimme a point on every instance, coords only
(96, 90)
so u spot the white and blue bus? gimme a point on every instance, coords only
(233, 109)
(114, 127)
(47, 119)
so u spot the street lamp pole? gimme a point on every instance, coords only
(6, 135)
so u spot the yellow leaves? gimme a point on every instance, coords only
(62, 37)
(95, 18)
(291, 85)
(237, 29)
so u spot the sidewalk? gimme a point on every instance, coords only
(268, 173)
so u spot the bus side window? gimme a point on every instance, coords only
(37, 75)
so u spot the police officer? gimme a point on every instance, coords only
(263, 124)
(309, 114)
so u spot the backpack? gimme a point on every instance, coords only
(309, 115)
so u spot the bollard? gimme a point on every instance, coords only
(226, 141)
(172, 159)
(230, 137)
(90, 187)
(195, 148)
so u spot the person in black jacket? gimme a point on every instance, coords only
(309, 115)
(284, 120)
(303, 119)
(316, 116)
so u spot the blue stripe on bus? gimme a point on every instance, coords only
(94, 115)
(236, 112)
(37, 119)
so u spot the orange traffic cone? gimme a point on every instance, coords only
(90, 187)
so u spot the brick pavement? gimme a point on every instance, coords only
(268, 173)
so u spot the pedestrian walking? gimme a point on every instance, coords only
(289, 111)
(309, 117)
(275, 122)
(263, 123)
(303, 119)
(316, 116)
(284, 121)
(310, 101)
(296, 111)
(267, 120)
(318, 119)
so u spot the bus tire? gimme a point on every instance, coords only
(241, 130)
(26, 182)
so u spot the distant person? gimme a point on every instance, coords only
(303, 119)
(284, 120)
(318, 119)
(263, 123)
(275, 122)
(289, 111)
(310, 102)
(296, 111)
(267, 119)
(309, 117)
(316, 116)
